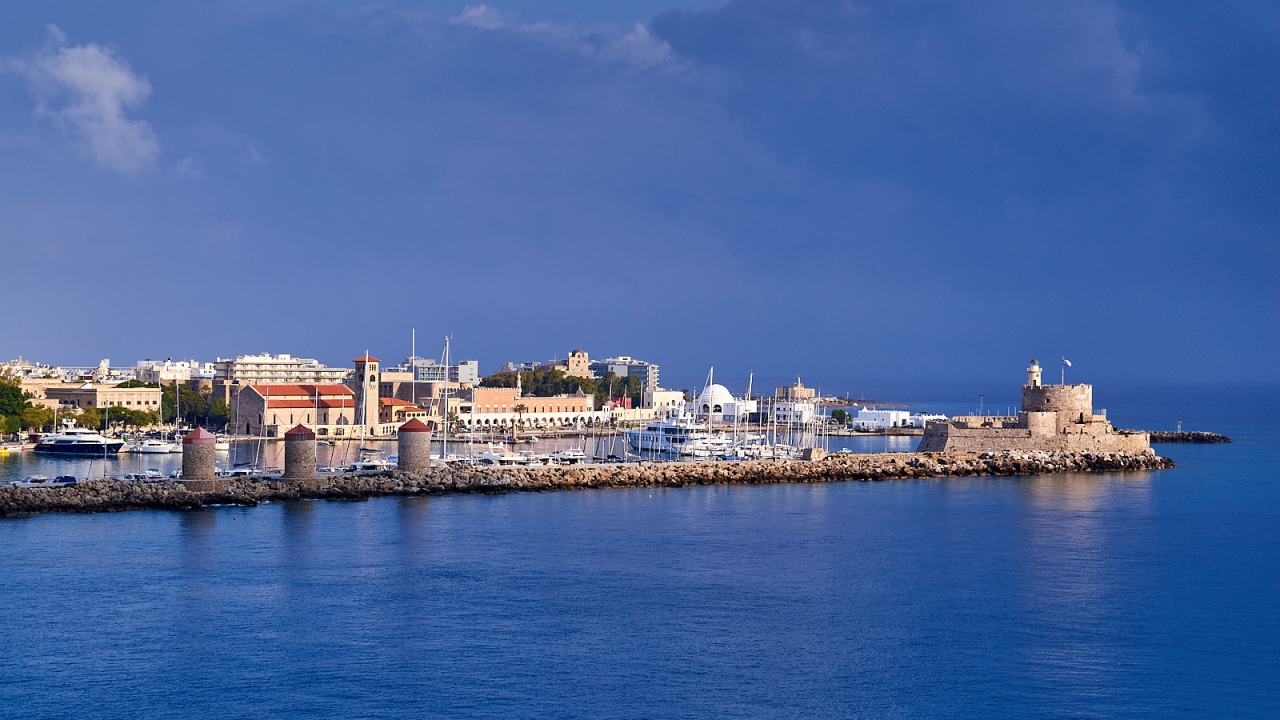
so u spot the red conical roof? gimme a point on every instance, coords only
(301, 432)
(199, 436)
(415, 425)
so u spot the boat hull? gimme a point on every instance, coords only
(81, 449)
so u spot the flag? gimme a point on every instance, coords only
(1066, 362)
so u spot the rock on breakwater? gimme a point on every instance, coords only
(115, 495)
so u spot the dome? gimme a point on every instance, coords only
(714, 399)
(1035, 364)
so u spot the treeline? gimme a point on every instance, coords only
(197, 408)
(545, 383)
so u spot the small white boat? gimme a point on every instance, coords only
(221, 442)
(371, 465)
(569, 456)
(499, 455)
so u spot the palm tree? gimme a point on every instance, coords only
(520, 409)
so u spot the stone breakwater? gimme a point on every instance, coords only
(115, 495)
(1188, 437)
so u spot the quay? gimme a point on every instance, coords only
(117, 495)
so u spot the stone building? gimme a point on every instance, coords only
(91, 395)
(1052, 417)
(269, 410)
(484, 407)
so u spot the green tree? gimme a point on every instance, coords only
(37, 417)
(841, 416)
(13, 403)
(136, 384)
(90, 418)
(197, 408)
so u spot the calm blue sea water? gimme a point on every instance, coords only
(1137, 595)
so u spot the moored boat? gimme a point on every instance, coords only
(78, 441)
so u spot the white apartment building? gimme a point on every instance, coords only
(230, 374)
(665, 404)
(794, 412)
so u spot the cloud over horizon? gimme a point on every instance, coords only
(86, 90)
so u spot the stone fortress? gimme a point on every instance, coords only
(1053, 417)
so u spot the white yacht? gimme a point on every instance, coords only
(499, 455)
(683, 435)
(154, 447)
(78, 441)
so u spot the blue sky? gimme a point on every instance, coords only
(862, 193)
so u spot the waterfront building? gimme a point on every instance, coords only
(1052, 417)
(94, 395)
(270, 410)
(793, 412)
(717, 404)
(873, 419)
(266, 369)
(665, 404)
(394, 411)
(482, 407)
(626, 366)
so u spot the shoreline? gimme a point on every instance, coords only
(120, 495)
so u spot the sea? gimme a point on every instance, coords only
(1135, 595)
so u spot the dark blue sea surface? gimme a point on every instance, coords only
(1151, 594)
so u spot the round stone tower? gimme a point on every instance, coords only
(300, 454)
(1033, 373)
(198, 455)
(414, 446)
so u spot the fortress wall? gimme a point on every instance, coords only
(1042, 423)
(942, 437)
(986, 421)
(1069, 399)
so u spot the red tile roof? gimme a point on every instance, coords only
(394, 402)
(300, 432)
(303, 390)
(415, 425)
(366, 358)
(324, 403)
(199, 436)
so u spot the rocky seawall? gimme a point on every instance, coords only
(116, 495)
(1188, 437)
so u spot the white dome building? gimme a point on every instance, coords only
(717, 403)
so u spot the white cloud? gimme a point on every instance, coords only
(94, 86)
(480, 16)
(639, 47)
(605, 44)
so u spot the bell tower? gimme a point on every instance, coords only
(1033, 373)
(366, 389)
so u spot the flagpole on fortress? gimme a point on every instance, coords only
(1065, 364)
